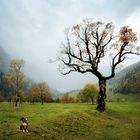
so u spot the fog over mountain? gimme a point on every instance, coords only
(34, 29)
(4, 60)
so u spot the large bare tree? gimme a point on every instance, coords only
(89, 44)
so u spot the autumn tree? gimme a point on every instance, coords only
(89, 44)
(16, 77)
(65, 98)
(40, 92)
(72, 99)
(22, 96)
(89, 92)
(80, 97)
(33, 95)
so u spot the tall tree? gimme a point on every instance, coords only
(16, 77)
(88, 44)
(44, 92)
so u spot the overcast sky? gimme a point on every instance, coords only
(34, 29)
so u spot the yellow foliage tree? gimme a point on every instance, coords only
(89, 92)
(16, 77)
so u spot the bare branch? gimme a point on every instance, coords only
(67, 72)
(88, 46)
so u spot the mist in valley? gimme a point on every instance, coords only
(33, 30)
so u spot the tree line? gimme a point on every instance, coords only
(15, 87)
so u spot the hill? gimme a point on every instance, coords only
(4, 64)
(74, 93)
(127, 80)
(55, 93)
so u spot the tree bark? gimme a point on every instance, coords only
(16, 101)
(101, 95)
(92, 101)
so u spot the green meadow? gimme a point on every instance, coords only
(53, 121)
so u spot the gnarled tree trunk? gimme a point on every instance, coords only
(101, 95)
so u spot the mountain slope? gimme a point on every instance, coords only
(55, 93)
(127, 80)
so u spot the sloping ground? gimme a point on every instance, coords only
(116, 97)
(126, 81)
(121, 121)
(130, 69)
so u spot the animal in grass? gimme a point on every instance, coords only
(24, 124)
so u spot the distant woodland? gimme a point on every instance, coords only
(127, 80)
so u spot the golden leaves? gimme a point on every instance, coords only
(127, 35)
(8, 77)
(16, 62)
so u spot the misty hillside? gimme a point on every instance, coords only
(4, 66)
(4, 60)
(55, 93)
(74, 93)
(127, 80)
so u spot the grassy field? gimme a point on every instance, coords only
(54, 121)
